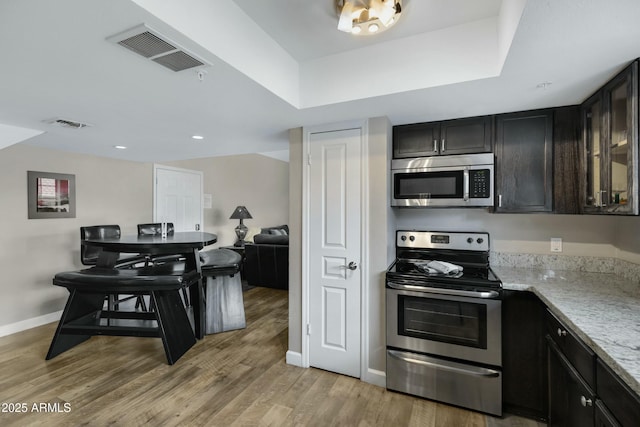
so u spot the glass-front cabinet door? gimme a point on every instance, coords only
(592, 116)
(619, 155)
(610, 134)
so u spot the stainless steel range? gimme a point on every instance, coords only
(444, 328)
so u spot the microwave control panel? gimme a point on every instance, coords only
(479, 184)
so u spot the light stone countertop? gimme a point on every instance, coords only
(603, 309)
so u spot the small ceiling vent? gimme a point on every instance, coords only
(152, 45)
(66, 123)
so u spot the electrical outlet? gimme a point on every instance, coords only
(556, 244)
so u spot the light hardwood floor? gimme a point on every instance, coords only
(236, 378)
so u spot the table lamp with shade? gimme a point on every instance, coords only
(240, 213)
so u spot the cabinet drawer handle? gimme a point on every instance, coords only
(585, 402)
(442, 147)
(435, 145)
(562, 333)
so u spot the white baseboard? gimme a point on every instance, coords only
(23, 325)
(294, 358)
(372, 376)
(375, 377)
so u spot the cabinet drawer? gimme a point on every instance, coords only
(622, 402)
(578, 354)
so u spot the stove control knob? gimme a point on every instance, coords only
(480, 240)
(403, 238)
(469, 240)
(412, 238)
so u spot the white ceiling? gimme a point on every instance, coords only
(275, 68)
(314, 22)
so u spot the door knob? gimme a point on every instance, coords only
(352, 266)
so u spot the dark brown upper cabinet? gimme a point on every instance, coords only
(461, 136)
(524, 162)
(610, 146)
(566, 160)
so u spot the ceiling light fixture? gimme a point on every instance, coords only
(197, 137)
(120, 147)
(367, 16)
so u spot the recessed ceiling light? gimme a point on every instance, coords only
(197, 137)
(120, 147)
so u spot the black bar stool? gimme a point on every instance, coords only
(89, 256)
(224, 301)
(83, 315)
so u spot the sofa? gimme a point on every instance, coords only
(266, 261)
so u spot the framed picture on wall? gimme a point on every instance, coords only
(51, 195)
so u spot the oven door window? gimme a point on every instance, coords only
(453, 322)
(429, 185)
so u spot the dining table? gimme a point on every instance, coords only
(186, 244)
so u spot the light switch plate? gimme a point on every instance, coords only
(556, 244)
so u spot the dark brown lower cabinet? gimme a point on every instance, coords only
(524, 362)
(549, 374)
(622, 403)
(571, 400)
(604, 417)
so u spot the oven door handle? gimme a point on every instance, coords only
(444, 291)
(444, 365)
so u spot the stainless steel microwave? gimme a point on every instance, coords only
(443, 181)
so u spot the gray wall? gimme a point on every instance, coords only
(258, 182)
(33, 250)
(295, 240)
(627, 231)
(381, 248)
(110, 191)
(587, 235)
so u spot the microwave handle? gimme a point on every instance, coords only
(466, 185)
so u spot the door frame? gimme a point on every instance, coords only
(157, 166)
(364, 247)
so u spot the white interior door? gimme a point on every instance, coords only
(177, 197)
(334, 250)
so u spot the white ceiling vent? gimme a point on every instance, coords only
(152, 45)
(66, 123)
